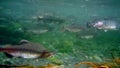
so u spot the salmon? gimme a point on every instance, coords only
(105, 24)
(26, 50)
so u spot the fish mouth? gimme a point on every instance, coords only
(46, 54)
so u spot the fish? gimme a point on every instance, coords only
(48, 18)
(105, 24)
(73, 28)
(26, 49)
(38, 31)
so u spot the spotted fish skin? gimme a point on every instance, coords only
(26, 50)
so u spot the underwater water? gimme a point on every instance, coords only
(60, 25)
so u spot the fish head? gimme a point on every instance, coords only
(46, 54)
(98, 24)
(94, 24)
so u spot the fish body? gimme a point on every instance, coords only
(105, 25)
(73, 28)
(26, 50)
(49, 19)
(24, 53)
(40, 31)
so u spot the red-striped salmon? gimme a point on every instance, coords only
(26, 50)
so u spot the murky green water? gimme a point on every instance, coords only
(24, 19)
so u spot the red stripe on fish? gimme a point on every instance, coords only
(7, 49)
(25, 52)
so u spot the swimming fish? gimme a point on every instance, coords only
(26, 49)
(49, 19)
(105, 24)
(73, 28)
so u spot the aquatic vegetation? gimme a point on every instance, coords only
(113, 63)
(117, 60)
(87, 34)
(11, 32)
(67, 45)
(55, 59)
(62, 42)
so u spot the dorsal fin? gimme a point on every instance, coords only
(23, 42)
